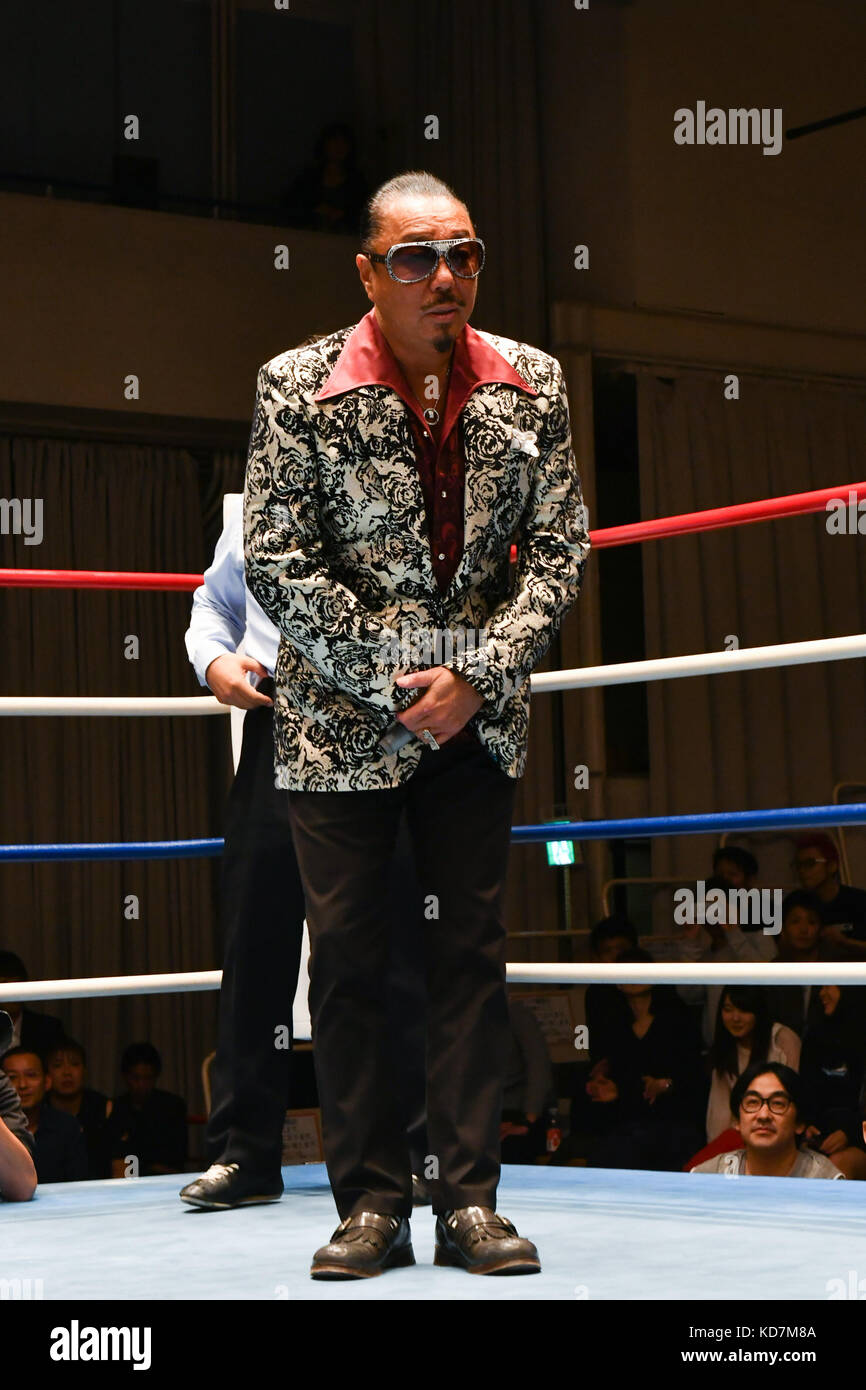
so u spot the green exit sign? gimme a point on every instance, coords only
(560, 852)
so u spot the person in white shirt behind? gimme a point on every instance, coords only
(767, 1110)
(262, 912)
(261, 898)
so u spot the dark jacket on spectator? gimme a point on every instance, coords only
(605, 1010)
(60, 1152)
(832, 1067)
(670, 1048)
(847, 910)
(155, 1134)
(93, 1124)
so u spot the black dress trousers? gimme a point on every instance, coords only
(262, 915)
(458, 805)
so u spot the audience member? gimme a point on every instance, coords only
(843, 909)
(716, 942)
(59, 1150)
(737, 868)
(528, 1088)
(644, 1112)
(803, 940)
(767, 1106)
(604, 1005)
(745, 1033)
(328, 195)
(17, 1170)
(832, 1069)
(146, 1124)
(66, 1065)
(30, 1028)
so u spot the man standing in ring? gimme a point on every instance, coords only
(390, 466)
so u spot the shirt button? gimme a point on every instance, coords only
(441, 557)
(444, 494)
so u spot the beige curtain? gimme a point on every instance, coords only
(780, 737)
(95, 779)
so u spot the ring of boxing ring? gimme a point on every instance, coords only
(602, 1234)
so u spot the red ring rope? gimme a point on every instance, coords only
(767, 509)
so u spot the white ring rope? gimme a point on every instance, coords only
(704, 664)
(111, 704)
(97, 986)
(621, 673)
(518, 972)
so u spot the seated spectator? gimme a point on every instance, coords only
(745, 1033)
(802, 939)
(843, 909)
(59, 1150)
(528, 1088)
(66, 1065)
(832, 1069)
(145, 1123)
(17, 1170)
(737, 868)
(604, 1005)
(767, 1106)
(716, 942)
(328, 194)
(645, 1111)
(30, 1028)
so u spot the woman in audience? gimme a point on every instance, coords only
(832, 1068)
(745, 1032)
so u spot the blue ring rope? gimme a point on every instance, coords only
(714, 822)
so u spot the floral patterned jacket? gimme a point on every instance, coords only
(337, 554)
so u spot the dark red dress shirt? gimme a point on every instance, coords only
(366, 360)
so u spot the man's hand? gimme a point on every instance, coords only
(446, 706)
(226, 676)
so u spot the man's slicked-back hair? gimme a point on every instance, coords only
(414, 183)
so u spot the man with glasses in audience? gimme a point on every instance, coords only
(843, 908)
(391, 465)
(767, 1106)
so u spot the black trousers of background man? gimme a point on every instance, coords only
(262, 917)
(458, 806)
